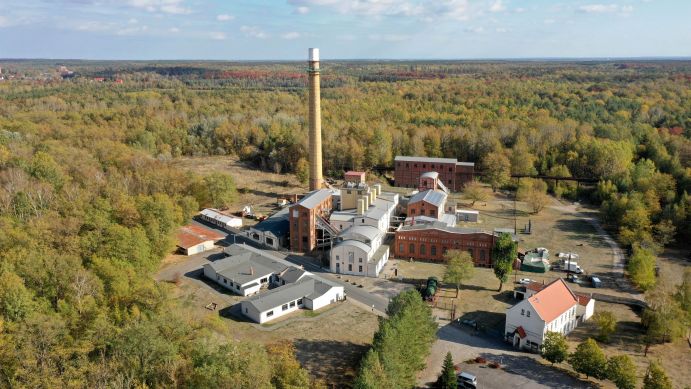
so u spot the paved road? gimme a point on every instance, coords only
(359, 295)
(520, 369)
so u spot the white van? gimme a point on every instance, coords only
(467, 380)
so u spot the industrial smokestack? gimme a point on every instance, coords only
(315, 121)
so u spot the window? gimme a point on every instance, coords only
(411, 248)
(423, 249)
(304, 239)
(299, 301)
(433, 250)
(406, 165)
(350, 267)
(337, 258)
(450, 170)
(482, 255)
(270, 241)
(225, 281)
(527, 313)
(270, 313)
(284, 307)
(245, 310)
(360, 260)
(431, 212)
(264, 280)
(349, 192)
(414, 165)
(424, 165)
(292, 304)
(400, 247)
(359, 268)
(351, 256)
(522, 312)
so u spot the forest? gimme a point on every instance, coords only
(89, 199)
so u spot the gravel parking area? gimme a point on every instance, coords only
(518, 369)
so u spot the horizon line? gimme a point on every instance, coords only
(547, 58)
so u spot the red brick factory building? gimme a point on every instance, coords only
(429, 242)
(453, 174)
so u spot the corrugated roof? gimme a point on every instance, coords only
(214, 214)
(278, 223)
(553, 300)
(192, 235)
(315, 198)
(430, 196)
(424, 159)
(465, 163)
(356, 243)
(242, 268)
(292, 274)
(368, 232)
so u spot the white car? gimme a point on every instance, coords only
(525, 281)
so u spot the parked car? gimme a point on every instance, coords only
(467, 380)
(525, 281)
(573, 278)
(596, 282)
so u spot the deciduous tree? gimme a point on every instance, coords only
(504, 254)
(589, 360)
(622, 371)
(459, 267)
(554, 347)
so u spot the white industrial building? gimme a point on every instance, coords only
(219, 219)
(358, 250)
(277, 286)
(552, 307)
(363, 221)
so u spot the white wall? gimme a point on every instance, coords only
(234, 287)
(587, 311)
(533, 325)
(200, 248)
(565, 322)
(278, 311)
(340, 254)
(334, 294)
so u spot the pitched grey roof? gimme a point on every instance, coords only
(309, 287)
(424, 159)
(282, 295)
(242, 269)
(292, 274)
(278, 223)
(434, 197)
(315, 198)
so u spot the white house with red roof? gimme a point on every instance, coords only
(554, 307)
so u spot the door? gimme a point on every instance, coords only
(338, 267)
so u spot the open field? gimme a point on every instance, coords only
(256, 187)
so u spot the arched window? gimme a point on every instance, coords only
(411, 248)
(423, 249)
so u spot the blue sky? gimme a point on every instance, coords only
(397, 29)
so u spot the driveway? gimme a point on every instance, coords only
(519, 369)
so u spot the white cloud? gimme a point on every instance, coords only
(501, 30)
(605, 8)
(174, 30)
(475, 30)
(224, 17)
(133, 30)
(549, 21)
(166, 6)
(424, 9)
(519, 10)
(291, 35)
(133, 21)
(217, 35)
(497, 6)
(253, 32)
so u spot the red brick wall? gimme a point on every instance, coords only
(304, 225)
(407, 174)
(478, 244)
(424, 208)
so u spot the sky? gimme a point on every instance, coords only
(343, 29)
